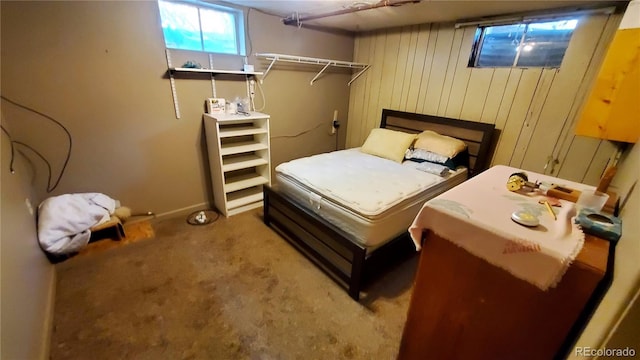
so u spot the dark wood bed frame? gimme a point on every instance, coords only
(348, 262)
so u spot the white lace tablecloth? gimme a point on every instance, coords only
(476, 215)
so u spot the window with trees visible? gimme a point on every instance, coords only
(532, 44)
(202, 27)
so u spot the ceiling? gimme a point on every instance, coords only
(363, 15)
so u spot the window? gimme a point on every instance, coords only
(202, 27)
(533, 44)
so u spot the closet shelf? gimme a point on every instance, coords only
(313, 61)
(174, 72)
(214, 71)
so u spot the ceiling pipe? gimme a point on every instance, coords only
(296, 20)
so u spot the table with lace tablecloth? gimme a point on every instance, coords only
(488, 287)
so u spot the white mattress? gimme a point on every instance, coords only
(370, 198)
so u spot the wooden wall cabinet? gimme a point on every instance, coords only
(239, 159)
(612, 110)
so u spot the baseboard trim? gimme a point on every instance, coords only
(183, 211)
(49, 317)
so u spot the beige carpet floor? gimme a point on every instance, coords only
(232, 289)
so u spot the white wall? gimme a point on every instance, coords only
(627, 265)
(626, 331)
(27, 278)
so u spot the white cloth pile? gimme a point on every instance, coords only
(64, 221)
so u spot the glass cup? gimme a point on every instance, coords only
(591, 199)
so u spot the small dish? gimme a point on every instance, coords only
(524, 217)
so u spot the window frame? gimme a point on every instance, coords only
(239, 31)
(479, 36)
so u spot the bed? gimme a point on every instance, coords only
(339, 224)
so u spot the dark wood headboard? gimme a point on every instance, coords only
(476, 135)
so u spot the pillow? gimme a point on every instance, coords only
(426, 155)
(420, 155)
(439, 144)
(388, 144)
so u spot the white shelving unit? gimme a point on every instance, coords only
(239, 159)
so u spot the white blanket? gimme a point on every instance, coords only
(64, 221)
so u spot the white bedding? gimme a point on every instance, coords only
(64, 221)
(370, 198)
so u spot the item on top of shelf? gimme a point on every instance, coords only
(190, 64)
(216, 105)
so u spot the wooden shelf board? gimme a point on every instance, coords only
(241, 131)
(237, 118)
(244, 197)
(215, 71)
(244, 181)
(244, 208)
(242, 162)
(242, 147)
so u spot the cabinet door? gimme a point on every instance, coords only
(612, 110)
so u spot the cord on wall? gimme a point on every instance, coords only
(335, 124)
(50, 187)
(252, 94)
(300, 133)
(13, 153)
(264, 100)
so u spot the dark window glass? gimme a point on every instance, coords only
(499, 45)
(539, 44)
(545, 43)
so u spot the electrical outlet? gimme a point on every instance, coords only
(334, 125)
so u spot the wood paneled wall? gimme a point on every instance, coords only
(423, 69)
